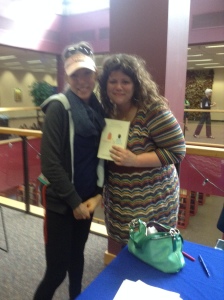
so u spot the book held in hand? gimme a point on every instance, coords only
(115, 132)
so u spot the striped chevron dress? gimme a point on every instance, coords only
(146, 193)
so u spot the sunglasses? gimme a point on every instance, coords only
(73, 50)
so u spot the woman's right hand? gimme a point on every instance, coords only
(123, 157)
(81, 212)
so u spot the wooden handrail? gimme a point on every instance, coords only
(205, 144)
(204, 110)
(21, 132)
(8, 109)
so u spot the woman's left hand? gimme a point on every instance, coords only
(92, 203)
(123, 157)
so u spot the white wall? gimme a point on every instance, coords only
(9, 80)
(22, 80)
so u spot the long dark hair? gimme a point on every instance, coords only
(145, 89)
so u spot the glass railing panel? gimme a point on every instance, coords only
(202, 174)
(12, 179)
(11, 171)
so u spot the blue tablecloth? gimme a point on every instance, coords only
(191, 282)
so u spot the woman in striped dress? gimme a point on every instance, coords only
(141, 181)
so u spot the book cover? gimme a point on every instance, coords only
(114, 133)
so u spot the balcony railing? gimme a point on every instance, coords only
(20, 162)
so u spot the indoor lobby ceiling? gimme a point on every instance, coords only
(199, 57)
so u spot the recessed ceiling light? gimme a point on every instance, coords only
(34, 61)
(16, 68)
(215, 46)
(14, 63)
(220, 53)
(5, 57)
(193, 55)
(195, 60)
(215, 67)
(38, 70)
(38, 66)
(207, 64)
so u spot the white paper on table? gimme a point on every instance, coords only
(129, 290)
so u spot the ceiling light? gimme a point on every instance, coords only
(34, 61)
(216, 46)
(16, 68)
(207, 64)
(14, 63)
(193, 55)
(195, 60)
(220, 53)
(215, 67)
(5, 57)
(38, 70)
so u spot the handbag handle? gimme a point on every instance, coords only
(138, 232)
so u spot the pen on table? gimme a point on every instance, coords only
(203, 265)
(188, 256)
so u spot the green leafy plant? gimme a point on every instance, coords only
(40, 91)
(196, 84)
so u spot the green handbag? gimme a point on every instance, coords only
(161, 250)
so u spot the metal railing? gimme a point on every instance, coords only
(193, 148)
